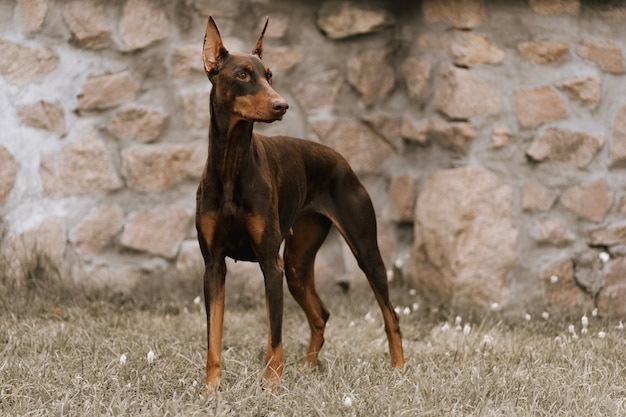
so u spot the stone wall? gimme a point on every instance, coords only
(491, 136)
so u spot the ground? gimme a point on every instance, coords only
(69, 351)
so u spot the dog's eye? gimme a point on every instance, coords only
(269, 77)
(243, 76)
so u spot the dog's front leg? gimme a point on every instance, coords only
(266, 238)
(273, 273)
(214, 279)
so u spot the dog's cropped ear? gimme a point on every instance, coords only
(213, 49)
(258, 48)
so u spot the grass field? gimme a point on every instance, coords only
(67, 351)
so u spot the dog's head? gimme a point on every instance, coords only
(242, 83)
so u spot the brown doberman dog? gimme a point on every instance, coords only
(257, 191)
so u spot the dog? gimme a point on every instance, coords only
(258, 191)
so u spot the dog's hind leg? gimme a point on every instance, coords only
(307, 235)
(354, 216)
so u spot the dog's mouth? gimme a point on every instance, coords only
(267, 113)
(275, 114)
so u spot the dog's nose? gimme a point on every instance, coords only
(280, 105)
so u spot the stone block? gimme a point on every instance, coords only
(415, 130)
(371, 74)
(465, 240)
(460, 95)
(555, 7)
(612, 297)
(339, 20)
(586, 89)
(365, 151)
(190, 258)
(195, 110)
(82, 166)
(500, 137)
(537, 106)
(617, 153)
(560, 289)
(402, 198)
(186, 60)
(611, 235)
(590, 201)
(607, 54)
(536, 197)
(43, 115)
(152, 167)
(97, 230)
(158, 231)
(555, 144)
(22, 65)
(89, 23)
(142, 24)
(282, 58)
(8, 173)
(32, 14)
(552, 232)
(463, 14)
(416, 73)
(387, 126)
(543, 52)
(468, 49)
(137, 123)
(318, 92)
(451, 135)
(105, 91)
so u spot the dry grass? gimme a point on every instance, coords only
(60, 349)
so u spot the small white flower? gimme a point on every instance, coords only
(585, 321)
(123, 359)
(467, 329)
(347, 401)
(487, 340)
(620, 326)
(369, 317)
(527, 317)
(554, 279)
(415, 306)
(458, 320)
(406, 311)
(604, 256)
(412, 291)
(196, 300)
(583, 331)
(574, 336)
(445, 327)
(594, 312)
(601, 334)
(571, 329)
(398, 309)
(150, 356)
(389, 275)
(399, 263)
(545, 315)
(351, 324)
(494, 306)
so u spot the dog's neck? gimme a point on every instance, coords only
(230, 146)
